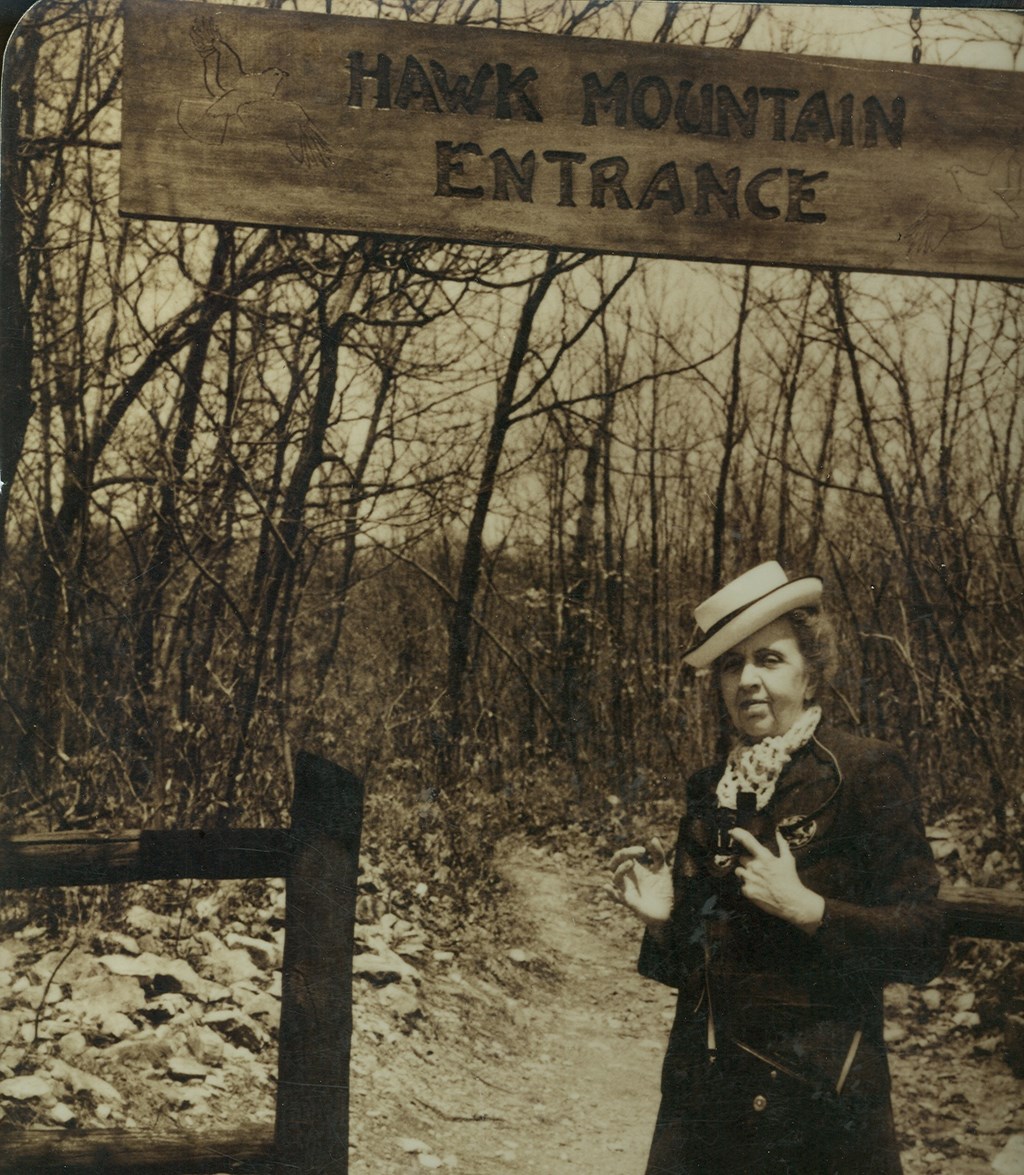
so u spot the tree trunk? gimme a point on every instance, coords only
(730, 441)
(16, 339)
(461, 621)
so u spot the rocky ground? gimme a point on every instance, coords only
(525, 1041)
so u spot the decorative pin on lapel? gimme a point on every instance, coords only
(798, 830)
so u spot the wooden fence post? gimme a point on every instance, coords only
(315, 1037)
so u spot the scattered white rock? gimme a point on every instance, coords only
(124, 942)
(266, 954)
(83, 1082)
(62, 1114)
(116, 1026)
(943, 843)
(145, 921)
(184, 1068)
(57, 967)
(166, 1007)
(894, 1033)
(12, 1058)
(966, 1019)
(29, 1088)
(413, 1146)
(931, 998)
(401, 999)
(38, 994)
(108, 993)
(148, 1050)
(384, 966)
(205, 1045)
(186, 1097)
(174, 974)
(208, 908)
(142, 966)
(264, 1007)
(224, 965)
(53, 1029)
(411, 946)
(238, 1028)
(987, 1046)
(71, 1045)
(1010, 1160)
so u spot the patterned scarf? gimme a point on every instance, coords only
(756, 767)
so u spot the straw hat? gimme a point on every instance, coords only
(746, 605)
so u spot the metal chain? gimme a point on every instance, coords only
(915, 29)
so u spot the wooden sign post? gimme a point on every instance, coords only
(268, 117)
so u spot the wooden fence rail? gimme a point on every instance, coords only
(124, 1152)
(975, 912)
(319, 857)
(106, 858)
(97, 858)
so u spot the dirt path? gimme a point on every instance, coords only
(566, 1078)
(604, 1030)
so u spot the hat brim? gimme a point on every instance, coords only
(798, 593)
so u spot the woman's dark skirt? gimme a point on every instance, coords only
(737, 1116)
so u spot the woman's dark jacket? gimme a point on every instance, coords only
(848, 806)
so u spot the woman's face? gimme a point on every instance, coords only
(765, 681)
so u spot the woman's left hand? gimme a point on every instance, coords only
(771, 882)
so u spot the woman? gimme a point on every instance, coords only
(802, 884)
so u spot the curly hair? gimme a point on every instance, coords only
(816, 639)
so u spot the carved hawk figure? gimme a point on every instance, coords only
(246, 104)
(969, 199)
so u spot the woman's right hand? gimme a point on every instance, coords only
(645, 887)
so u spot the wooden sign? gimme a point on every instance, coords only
(327, 122)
